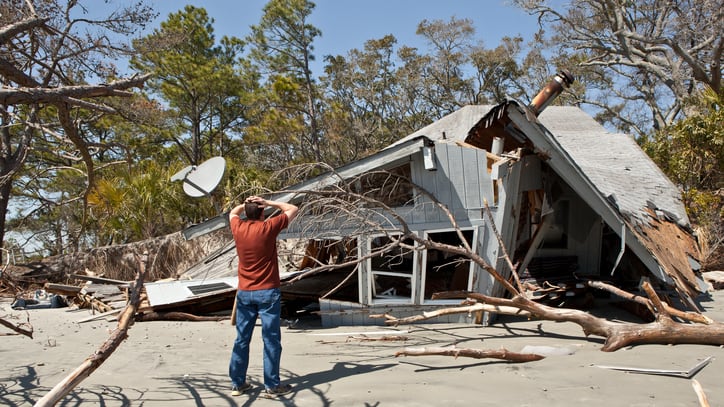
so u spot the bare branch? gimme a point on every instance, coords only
(68, 94)
(472, 353)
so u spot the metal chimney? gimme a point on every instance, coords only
(562, 80)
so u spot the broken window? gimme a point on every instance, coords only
(392, 271)
(446, 271)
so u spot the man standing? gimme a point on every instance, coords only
(258, 293)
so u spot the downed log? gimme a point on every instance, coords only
(502, 353)
(94, 361)
(175, 316)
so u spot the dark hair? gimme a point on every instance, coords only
(253, 210)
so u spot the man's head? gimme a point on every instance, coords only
(253, 210)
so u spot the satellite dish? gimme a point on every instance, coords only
(201, 180)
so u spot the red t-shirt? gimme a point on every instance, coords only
(256, 246)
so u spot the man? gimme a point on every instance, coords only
(258, 292)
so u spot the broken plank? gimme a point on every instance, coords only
(99, 280)
(100, 315)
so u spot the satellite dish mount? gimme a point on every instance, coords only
(200, 180)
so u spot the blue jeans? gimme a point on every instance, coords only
(265, 304)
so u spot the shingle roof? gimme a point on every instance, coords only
(615, 163)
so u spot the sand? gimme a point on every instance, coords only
(185, 364)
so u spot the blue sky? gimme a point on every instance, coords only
(347, 24)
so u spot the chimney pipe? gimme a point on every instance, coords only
(562, 80)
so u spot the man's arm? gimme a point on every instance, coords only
(236, 211)
(289, 209)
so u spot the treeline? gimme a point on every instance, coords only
(93, 169)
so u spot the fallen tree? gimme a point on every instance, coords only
(664, 330)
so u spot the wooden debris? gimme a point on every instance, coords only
(62, 289)
(107, 348)
(502, 353)
(100, 280)
(88, 301)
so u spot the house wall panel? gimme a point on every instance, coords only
(461, 181)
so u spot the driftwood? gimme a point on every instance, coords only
(175, 316)
(385, 338)
(94, 361)
(19, 328)
(472, 353)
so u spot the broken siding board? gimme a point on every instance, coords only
(487, 248)
(506, 220)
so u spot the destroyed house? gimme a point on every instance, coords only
(568, 199)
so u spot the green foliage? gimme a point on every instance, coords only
(205, 84)
(281, 48)
(139, 202)
(691, 153)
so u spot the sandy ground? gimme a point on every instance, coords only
(185, 364)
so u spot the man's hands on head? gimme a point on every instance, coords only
(256, 199)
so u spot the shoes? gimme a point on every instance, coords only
(280, 390)
(237, 390)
